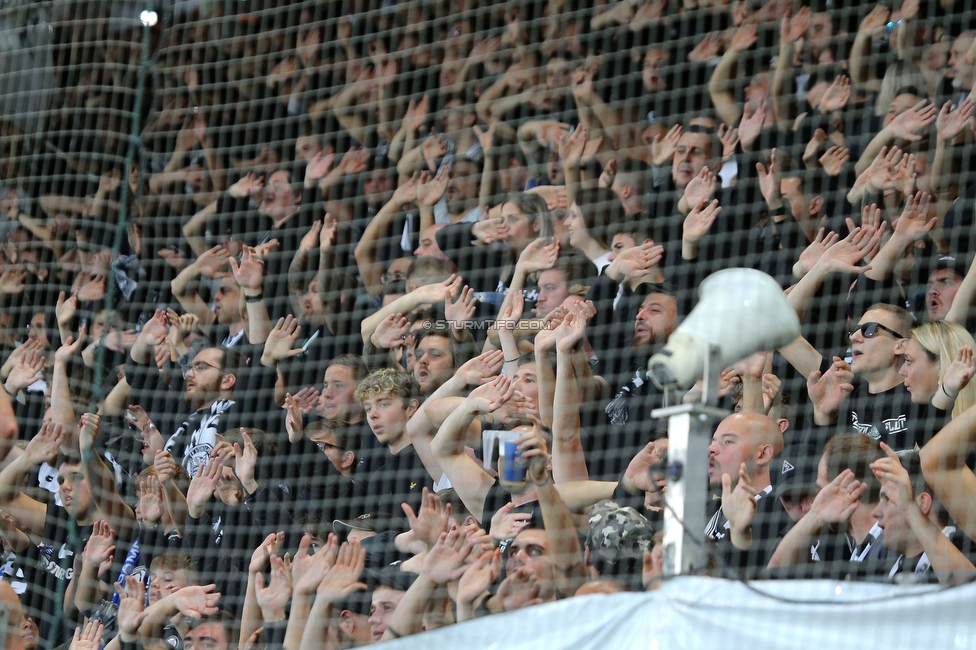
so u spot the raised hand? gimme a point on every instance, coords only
(311, 239)
(247, 459)
(812, 151)
(910, 124)
(744, 37)
(478, 577)
(439, 291)
(815, 249)
(88, 432)
(538, 255)
(93, 290)
(132, 605)
(490, 396)
(150, 506)
(318, 167)
(271, 545)
(795, 28)
(836, 96)
(65, 309)
(250, 273)
(431, 190)
(462, 309)
(739, 504)
(202, 487)
(89, 637)
(700, 188)
(482, 368)
(485, 138)
(432, 520)
(246, 186)
(273, 597)
(571, 146)
(914, 222)
(327, 236)
(729, 138)
(416, 114)
(663, 146)
(839, 499)
(844, 255)
(197, 601)
(391, 332)
(707, 48)
(29, 368)
(212, 263)
(166, 466)
(874, 23)
(434, 148)
(512, 314)
(546, 338)
(555, 196)
(751, 124)
(109, 182)
(447, 560)
(834, 159)
(342, 580)
(100, 545)
(699, 221)
(635, 262)
(960, 372)
(570, 332)
(355, 161)
(506, 524)
(406, 192)
(308, 570)
(829, 390)
(282, 337)
(12, 281)
(769, 180)
(490, 230)
(608, 175)
(951, 124)
(895, 481)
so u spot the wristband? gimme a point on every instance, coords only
(951, 397)
(512, 360)
(255, 298)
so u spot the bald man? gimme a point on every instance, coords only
(739, 460)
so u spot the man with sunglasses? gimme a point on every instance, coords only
(868, 395)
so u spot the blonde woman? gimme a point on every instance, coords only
(938, 364)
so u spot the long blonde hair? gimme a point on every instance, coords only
(942, 340)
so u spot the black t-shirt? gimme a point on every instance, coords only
(48, 568)
(891, 417)
(397, 478)
(498, 497)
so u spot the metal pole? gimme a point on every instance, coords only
(689, 435)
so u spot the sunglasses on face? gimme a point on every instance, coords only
(869, 330)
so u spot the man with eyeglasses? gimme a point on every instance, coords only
(868, 395)
(212, 385)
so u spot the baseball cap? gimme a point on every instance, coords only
(376, 522)
(795, 470)
(617, 532)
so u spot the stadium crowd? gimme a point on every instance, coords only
(327, 323)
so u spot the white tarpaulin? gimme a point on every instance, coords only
(710, 613)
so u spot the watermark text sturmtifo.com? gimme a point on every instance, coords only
(485, 323)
